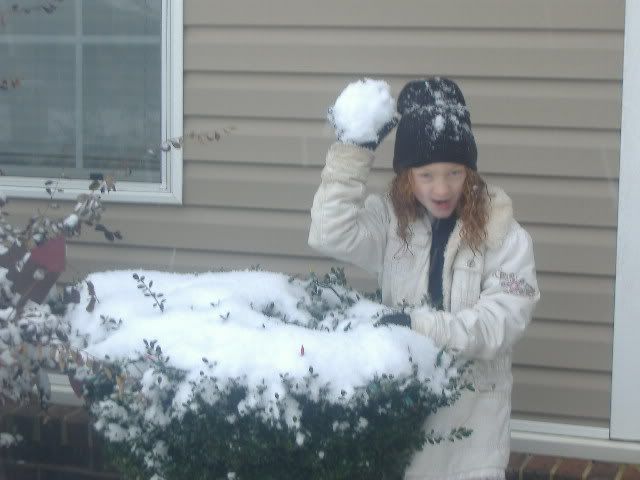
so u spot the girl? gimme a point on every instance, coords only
(443, 234)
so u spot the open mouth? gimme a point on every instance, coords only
(442, 203)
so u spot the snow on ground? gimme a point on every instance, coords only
(219, 316)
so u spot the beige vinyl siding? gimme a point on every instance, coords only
(543, 81)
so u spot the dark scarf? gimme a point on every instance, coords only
(441, 229)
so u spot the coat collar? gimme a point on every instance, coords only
(500, 216)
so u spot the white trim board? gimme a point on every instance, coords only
(625, 386)
(175, 97)
(571, 441)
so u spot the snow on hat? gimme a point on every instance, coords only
(435, 126)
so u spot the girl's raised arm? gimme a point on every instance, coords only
(344, 224)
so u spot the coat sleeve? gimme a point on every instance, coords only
(344, 224)
(509, 293)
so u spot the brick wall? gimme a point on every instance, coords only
(58, 446)
(523, 466)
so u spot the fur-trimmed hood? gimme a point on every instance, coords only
(498, 224)
(500, 216)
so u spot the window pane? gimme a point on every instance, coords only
(122, 17)
(59, 21)
(37, 118)
(89, 97)
(122, 111)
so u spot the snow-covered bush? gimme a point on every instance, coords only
(32, 337)
(255, 375)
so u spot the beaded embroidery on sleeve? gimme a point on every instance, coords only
(514, 285)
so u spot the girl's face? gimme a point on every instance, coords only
(438, 187)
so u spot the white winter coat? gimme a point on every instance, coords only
(488, 297)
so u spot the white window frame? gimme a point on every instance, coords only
(169, 190)
(625, 387)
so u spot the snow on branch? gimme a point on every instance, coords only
(33, 338)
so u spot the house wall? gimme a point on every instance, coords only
(543, 82)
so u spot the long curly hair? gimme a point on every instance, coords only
(472, 209)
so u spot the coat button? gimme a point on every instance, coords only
(471, 263)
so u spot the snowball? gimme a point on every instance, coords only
(362, 109)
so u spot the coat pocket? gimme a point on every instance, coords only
(402, 257)
(465, 287)
(493, 376)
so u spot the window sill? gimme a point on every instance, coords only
(141, 194)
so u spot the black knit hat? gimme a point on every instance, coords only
(435, 126)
